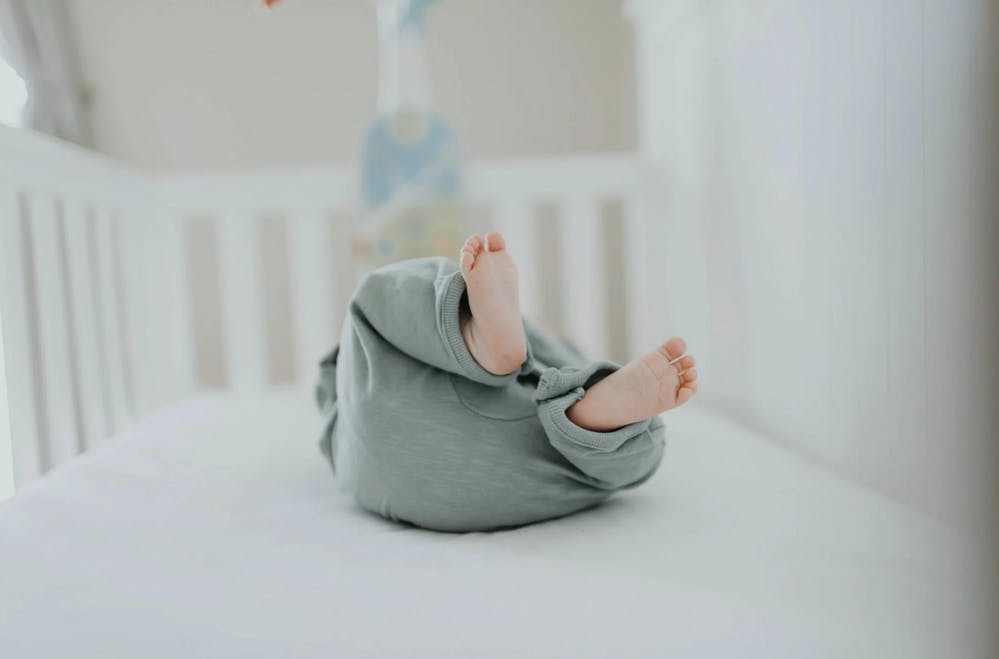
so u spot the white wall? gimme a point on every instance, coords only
(825, 179)
(827, 235)
(203, 85)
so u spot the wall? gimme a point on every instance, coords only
(182, 86)
(203, 85)
(829, 247)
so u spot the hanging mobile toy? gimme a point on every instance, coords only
(410, 163)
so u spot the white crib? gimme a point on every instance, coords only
(123, 290)
(213, 526)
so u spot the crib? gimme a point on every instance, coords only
(171, 501)
(123, 290)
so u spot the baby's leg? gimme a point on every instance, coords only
(493, 332)
(644, 387)
(610, 459)
(492, 327)
(416, 307)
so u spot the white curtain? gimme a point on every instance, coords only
(37, 39)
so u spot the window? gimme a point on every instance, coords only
(13, 95)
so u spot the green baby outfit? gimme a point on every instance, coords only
(418, 432)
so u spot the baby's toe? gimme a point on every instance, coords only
(685, 393)
(466, 261)
(494, 241)
(674, 348)
(473, 244)
(469, 251)
(686, 362)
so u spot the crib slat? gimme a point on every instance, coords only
(61, 437)
(137, 262)
(346, 271)
(6, 436)
(583, 276)
(91, 375)
(120, 309)
(243, 317)
(515, 220)
(642, 328)
(173, 336)
(109, 309)
(156, 308)
(19, 429)
(156, 264)
(313, 290)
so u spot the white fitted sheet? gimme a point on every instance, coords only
(215, 529)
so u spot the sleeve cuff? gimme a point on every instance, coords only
(450, 289)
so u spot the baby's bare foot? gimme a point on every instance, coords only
(494, 333)
(649, 385)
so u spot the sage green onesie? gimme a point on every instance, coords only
(418, 432)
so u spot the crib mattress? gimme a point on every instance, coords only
(215, 529)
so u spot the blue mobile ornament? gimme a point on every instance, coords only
(410, 160)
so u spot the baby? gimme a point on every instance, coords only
(444, 409)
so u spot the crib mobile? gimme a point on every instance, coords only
(410, 162)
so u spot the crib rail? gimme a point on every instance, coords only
(122, 290)
(573, 223)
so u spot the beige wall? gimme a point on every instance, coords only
(184, 84)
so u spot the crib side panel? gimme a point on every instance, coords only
(81, 296)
